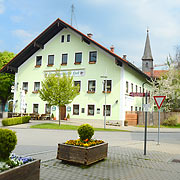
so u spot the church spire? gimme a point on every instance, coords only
(147, 50)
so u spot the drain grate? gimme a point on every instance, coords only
(176, 160)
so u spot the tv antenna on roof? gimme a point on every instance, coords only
(73, 15)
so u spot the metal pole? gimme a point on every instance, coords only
(105, 105)
(158, 128)
(145, 133)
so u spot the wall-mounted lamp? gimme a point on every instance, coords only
(116, 101)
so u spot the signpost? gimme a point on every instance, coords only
(159, 100)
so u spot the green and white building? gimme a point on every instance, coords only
(62, 46)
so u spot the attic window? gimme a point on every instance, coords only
(62, 38)
(68, 38)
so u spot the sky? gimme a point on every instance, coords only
(122, 23)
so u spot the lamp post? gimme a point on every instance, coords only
(105, 91)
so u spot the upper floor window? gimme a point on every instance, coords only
(47, 109)
(75, 109)
(36, 86)
(108, 85)
(25, 86)
(64, 59)
(68, 38)
(35, 108)
(131, 87)
(92, 57)
(127, 87)
(78, 58)
(140, 89)
(62, 38)
(78, 83)
(91, 110)
(91, 86)
(136, 88)
(50, 60)
(38, 60)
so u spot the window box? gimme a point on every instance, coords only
(35, 92)
(93, 62)
(108, 92)
(90, 92)
(63, 64)
(50, 65)
(77, 63)
(37, 66)
(82, 155)
(30, 170)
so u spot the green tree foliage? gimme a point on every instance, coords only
(58, 90)
(6, 79)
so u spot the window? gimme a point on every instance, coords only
(36, 86)
(131, 108)
(78, 83)
(108, 110)
(50, 60)
(68, 38)
(78, 58)
(127, 87)
(140, 89)
(35, 108)
(75, 109)
(92, 56)
(64, 58)
(25, 86)
(82, 110)
(62, 38)
(139, 108)
(135, 108)
(136, 88)
(91, 86)
(47, 109)
(143, 90)
(108, 85)
(91, 110)
(131, 87)
(38, 60)
(146, 64)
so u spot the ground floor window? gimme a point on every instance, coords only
(47, 109)
(108, 110)
(91, 110)
(35, 108)
(75, 109)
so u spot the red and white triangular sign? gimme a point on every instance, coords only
(159, 100)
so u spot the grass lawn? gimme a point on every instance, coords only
(68, 127)
(177, 126)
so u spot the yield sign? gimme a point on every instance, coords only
(159, 100)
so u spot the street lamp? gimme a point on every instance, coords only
(105, 91)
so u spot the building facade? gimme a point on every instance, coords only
(99, 72)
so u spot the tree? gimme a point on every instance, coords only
(6, 80)
(169, 85)
(58, 90)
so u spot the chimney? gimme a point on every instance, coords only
(89, 35)
(124, 56)
(112, 48)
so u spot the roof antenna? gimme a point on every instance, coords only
(72, 13)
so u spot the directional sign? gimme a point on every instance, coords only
(159, 100)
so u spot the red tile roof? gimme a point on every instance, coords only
(156, 73)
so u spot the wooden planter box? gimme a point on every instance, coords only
(29, 171)
(82, 155)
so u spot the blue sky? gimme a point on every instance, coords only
(122, 23)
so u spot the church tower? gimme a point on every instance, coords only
(147, 59)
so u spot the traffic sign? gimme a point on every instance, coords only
(159, 100)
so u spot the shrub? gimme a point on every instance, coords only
(68, 116)
(16, 120)
(8, 141)
(171, 121)
(85, 131)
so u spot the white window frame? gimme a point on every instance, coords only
(75, 57)
(110, 109)
(94, 109)
(88, 84)
(73, 109)
(96, 56)
(81, 84)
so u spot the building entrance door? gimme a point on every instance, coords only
(63, 112)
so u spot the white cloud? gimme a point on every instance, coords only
(2, 8)
(16, 19)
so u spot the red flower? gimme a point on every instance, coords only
(86, 140)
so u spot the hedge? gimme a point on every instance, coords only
(15, 120)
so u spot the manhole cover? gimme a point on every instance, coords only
(176, 160)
